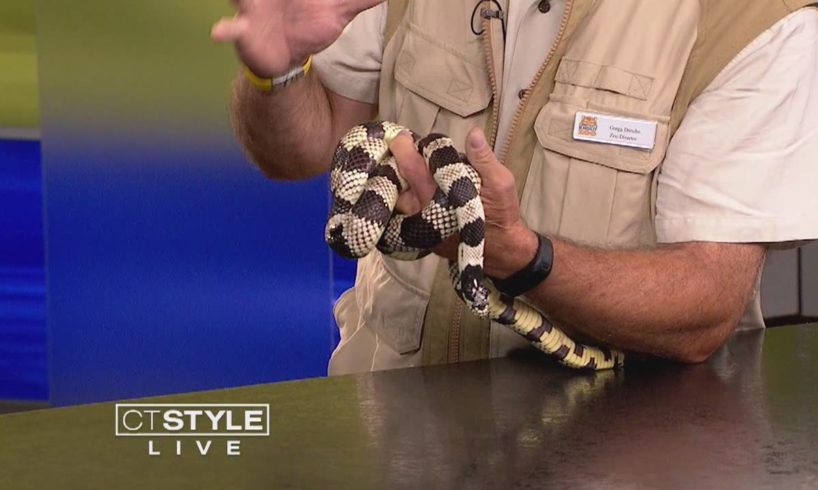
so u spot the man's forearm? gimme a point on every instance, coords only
(680, 302)
(288, 133)
(676, 301)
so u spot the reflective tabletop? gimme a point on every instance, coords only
(748, 418)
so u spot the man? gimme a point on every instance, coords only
(659, 147)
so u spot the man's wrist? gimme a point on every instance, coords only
(533, 273)
(271, 84)
(520, 251)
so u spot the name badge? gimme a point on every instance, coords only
(613, 130)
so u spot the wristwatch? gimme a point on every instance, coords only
(531, 275)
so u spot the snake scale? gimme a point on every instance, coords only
(365, 186)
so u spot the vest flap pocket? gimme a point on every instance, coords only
(452, 77)
(555, 126)
(604, 77)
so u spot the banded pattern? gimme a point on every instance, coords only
(366, 184)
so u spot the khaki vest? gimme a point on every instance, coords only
(646, 59)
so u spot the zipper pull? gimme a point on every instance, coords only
(488, 13)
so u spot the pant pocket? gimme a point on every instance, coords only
(392, 297)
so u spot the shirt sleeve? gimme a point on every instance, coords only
(351, 66)
(743, 166)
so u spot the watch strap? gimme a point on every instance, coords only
(531, 275)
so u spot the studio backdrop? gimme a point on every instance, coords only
(173, 265)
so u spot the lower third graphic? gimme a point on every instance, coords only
(179, 429)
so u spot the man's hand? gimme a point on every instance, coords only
(273, 36)
(289, 133)
(510, 244)
(677, 301)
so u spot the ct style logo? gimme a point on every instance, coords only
(588, 126)
(179, 429)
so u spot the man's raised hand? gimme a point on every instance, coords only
(274, 36)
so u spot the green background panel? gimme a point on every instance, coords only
(147, 68)
(19, 104)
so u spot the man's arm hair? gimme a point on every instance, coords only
(291, 133)
(677, 301)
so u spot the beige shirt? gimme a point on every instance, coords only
(743, 166)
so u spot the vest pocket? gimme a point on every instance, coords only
(608, 78)
(392, 297)
(595, 193)
(441, 85)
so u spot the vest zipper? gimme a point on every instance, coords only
(569, 4)
(495, 95)
(456, 328)
(455, 332)
(453, 354)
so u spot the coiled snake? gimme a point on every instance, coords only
(365, 186)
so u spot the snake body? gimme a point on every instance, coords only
(366, 183)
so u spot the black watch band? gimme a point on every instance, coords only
(531, 275)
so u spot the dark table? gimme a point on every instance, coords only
(746, 419)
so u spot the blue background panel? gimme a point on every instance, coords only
(179, 269)
(23, 353)
(173, 264)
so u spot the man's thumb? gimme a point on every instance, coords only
(480, 155)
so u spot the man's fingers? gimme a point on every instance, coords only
(229, 29)
(243, 5)
(448, 247)
(408, 204)
(413, 168)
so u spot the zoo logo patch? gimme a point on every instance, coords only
(588, 126)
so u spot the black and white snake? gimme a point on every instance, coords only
(365, 186)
